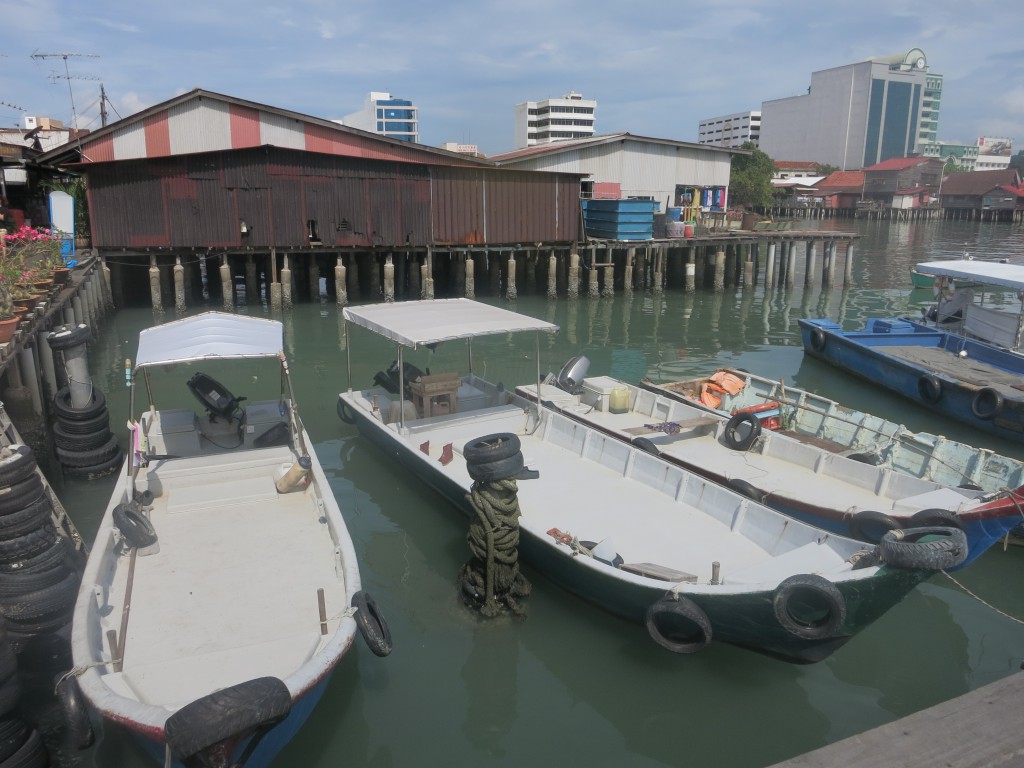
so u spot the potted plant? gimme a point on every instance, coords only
(10, 269)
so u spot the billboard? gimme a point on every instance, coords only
(987, 145)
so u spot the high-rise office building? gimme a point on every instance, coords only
(857, 115)
(388, 116)
(731, 130)
(541, 122)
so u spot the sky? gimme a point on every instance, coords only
(655, 69)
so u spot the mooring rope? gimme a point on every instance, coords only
(494, 541)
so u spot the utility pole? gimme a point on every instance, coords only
(103, 106)
(67, 76)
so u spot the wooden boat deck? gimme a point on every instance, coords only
(231, 591)
(966, 369)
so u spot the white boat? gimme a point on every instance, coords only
(616, 525)
(978, 299)
(222, 588)
(801, 476)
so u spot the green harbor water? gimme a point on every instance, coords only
(571, 684)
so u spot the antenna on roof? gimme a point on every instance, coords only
(67, 76)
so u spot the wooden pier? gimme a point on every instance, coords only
(977, 729)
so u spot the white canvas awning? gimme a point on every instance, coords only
(986, 272)
(415, 323)
(208, 336)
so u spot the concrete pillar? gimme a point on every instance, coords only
(340, 289)
(470, 276)
(848, 267)
(830, 263)
(76, 309)
(108, 294)
(286, 283)
(718, 283)
(227, 285)
(46, 366)
(573, 289)
(252, 289)
(690, 270)
(627, 278)
(511, 292)
(275, 285)
(415, 277)
(790, 263)
(389, 280)
(609, 273)
(592, 288)
(428, 275)
(552, 276)
(27, 362)
(154, 285)
(810, 266)
(769, 266)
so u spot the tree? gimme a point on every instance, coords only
(824, 169)
(750, 179)
(1017, 161)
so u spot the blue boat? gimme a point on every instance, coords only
(962, 378)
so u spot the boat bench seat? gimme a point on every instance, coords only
(493, 413)
(807, 558)
(182, 680)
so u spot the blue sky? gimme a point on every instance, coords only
(655, 69)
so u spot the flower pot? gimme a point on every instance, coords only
(43, 285)
(7, 328)
(28, 302)
(60, 275)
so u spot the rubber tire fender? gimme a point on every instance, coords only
(930, 518)
(76, 715)
(646, 445)
(733, 440)
(484, 450)
(679, 607)
(744, 488)
(95, 471)
(134, 526)
(871, 526)
(14, 732)
(345, 411)
(68, 336)
(873, 459)
(987, 403)
(19, 465)
(64, 409)
(818, 340)
(793, 591)
(493, 471)
(929, 388)
(90, 457)
(372, 626)
(88, 426)
(21, 494)
(904, 548)
(31, 754)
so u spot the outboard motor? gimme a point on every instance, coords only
(570, 378)
(388, 379)
(215, 397)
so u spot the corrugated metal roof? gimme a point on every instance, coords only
(558, 147)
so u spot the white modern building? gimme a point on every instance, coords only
(857, 115)
(731, 130)
(387, 116)
(542, 122)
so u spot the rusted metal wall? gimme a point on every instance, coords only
(292, 199)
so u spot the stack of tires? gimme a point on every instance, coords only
(21, 745)
(39, 570)
(85, 445)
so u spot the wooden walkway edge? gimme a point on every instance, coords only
(979, 729)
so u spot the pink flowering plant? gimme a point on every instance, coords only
(26, 255)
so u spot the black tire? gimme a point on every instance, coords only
(871, 526)
(91, 426)
(95, 471)
(31, 754)
(29, 545)
(967, 485)
(493, 471)
(692, 627)
(987, 403)
(646, 445)
(929, 388)
(932, 518)
(19, 465)
(49, 601)
(91, 457)
(23, 521)
(490, 448)
(743, 488)
(946, 548)
(10, 694)
(68, 336)
(24, 632)
(345, 412)
(14, 732)
(19, 583)
(733, 436)
(77, 442)
(873, 459)
(76, 715)
(55, 555)
(65, 410)
(21, 494)
(809, 606)
(238, 709)
(818, 340)
(134, 526)
(371, 624)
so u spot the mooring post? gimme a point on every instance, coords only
(573, 289)
(340, 289)
(154, 285)
(226, 284)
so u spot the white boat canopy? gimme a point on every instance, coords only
(415, 323)
(987, 272)
(210, 335)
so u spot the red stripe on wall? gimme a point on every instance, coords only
(158, 135)
(100, 151)
(245, 127)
